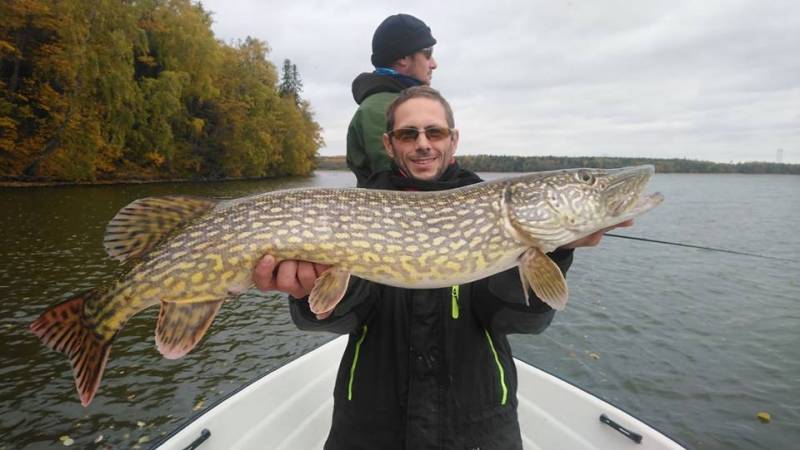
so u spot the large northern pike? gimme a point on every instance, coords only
(192, 253)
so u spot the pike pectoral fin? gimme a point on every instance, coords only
(539, 272)
(181, 325)
(328, 290)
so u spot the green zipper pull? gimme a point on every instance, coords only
(454, 303)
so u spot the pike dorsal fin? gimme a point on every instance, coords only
(141, 225)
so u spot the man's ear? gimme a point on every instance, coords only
(401, 64)
(455, 147)
(387, 145)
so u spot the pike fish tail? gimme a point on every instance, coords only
(83, 327)
(64, 328)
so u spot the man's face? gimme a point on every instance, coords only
(421, 65)
(423, 158)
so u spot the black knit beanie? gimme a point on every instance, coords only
(397, 36)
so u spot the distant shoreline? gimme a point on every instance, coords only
(479, 163)
(492, 163)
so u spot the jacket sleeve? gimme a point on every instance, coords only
(499, 302)
(354, 308)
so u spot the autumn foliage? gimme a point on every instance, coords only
(118, 90)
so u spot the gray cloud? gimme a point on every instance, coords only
(705, 80)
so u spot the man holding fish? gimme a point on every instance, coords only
(426, 368)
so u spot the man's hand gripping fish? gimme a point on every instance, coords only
(189, 254)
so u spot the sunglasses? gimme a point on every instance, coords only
(408, 135)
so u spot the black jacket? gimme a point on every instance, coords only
(429, 368)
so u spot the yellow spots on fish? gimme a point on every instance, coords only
(256, 224)
(423, 259)
(217, 260)
(466, 223)
(441, 260)
(197, 277)
(394, 234)
(275, 210)
(376, 237)
(485, 229)
(233, 261)
(309, 247)
(370, 257)
(437, 241)
(342, 236)
(361, 244)
(460, 256)
(282, 232)
(448, 226)
(388, 221)
(178, 288)
(294, 240)
(293, 223)
(227, 275)
(359, 226)
(475, 241)
(200, 246)
(327, 246)
(422, 237)
(391, 248)
(452, 266)
(237, 248)
(412, 248)
(457, 244)
(186, 265)
(307, 234)
(480, 262)
(417, 224)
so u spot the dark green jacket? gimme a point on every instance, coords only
(429, 368)
(365, 152)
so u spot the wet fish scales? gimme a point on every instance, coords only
(189, 254)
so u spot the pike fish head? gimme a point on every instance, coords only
(555, 208)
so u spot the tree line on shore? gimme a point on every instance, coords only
(118, 90)
(495, 163)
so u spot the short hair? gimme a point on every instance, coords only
(418, 92)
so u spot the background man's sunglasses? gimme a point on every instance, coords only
(411, 134)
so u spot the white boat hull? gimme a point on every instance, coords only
(290, 408)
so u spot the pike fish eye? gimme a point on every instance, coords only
(586, 176)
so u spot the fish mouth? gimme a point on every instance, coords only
(625, 193)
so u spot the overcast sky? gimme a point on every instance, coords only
(710, 80)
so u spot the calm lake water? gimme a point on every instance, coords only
(694, 342)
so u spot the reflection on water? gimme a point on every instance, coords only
(694, 342)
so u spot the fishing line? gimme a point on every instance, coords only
(756, 255)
